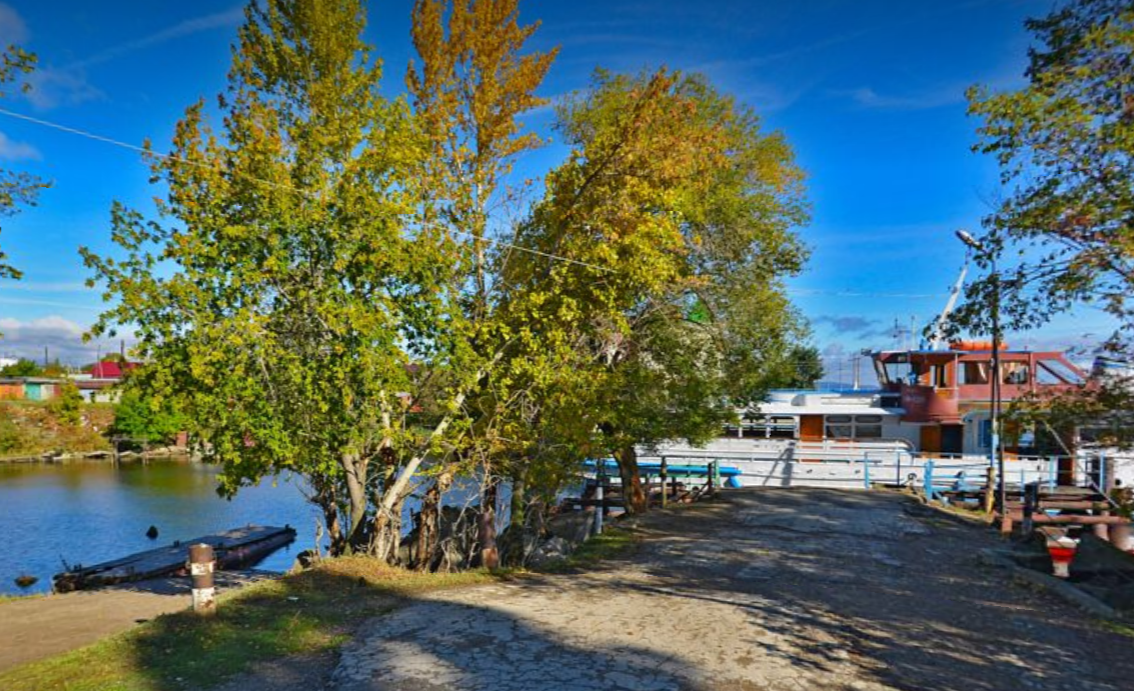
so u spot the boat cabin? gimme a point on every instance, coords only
(948, 393)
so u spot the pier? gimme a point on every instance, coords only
(234, 548)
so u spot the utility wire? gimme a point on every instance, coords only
(178, 159)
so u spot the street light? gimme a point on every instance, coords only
(996, 454)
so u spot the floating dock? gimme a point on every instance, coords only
(234, 548)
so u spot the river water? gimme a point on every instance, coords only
(89, 512)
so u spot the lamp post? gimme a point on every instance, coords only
(996, 453)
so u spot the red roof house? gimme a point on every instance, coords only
(109, 369)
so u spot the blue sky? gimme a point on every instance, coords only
(869, 92)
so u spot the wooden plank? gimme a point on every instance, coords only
(1072, 519)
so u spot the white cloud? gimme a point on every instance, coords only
(62, 337)
(68, 85)
(52, 87)
(11, 150)
(12, 27)
(188, 27)
(942, 96)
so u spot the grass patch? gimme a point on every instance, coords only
(304, 613)
(1120, 629)
(614, 542)
(16, 598)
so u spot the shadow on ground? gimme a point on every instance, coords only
(799, 589)
(894, 584)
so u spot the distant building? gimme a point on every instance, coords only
(97, 386)
(109, 369)
(29, 388)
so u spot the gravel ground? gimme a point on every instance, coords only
(765, 589)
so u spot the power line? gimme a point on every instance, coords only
(199, 164)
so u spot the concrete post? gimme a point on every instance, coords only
(1031, 504)
(202, 563)
(599, 507)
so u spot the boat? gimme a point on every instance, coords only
(931, 406)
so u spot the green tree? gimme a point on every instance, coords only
(679, 211)
(472, 84)
(22, 368)
(141, 420)
(804, 367)
(298, 294)
(1065, 144)
(68, 404)
(17, 188)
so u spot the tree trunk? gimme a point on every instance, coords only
(387, 537)
(355, 473)
(632, 492)
(428, 529)
(386, 534)
(519, 505)
(486, 529)
(325, 500)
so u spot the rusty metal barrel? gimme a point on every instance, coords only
(202, 564)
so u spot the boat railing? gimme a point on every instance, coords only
(863, 465)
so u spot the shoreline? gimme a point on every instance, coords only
(53, 457)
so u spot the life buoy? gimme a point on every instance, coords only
(975, 345)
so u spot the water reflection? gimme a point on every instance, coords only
(91, 512)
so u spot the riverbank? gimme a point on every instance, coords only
(59, 456)
(302, 614)
(34, 429)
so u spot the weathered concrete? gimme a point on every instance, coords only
(768, 589)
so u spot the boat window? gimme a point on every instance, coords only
(856, 427)
(984, 434)
(940, 376)
(1055, 372)
(770, 427)
(974, 373)
(840, 431)
(1015, 373)
(897, 371)
(868, 427)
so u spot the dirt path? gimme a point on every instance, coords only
(36, 628)
(769, 589)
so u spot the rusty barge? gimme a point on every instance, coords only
(236, 548)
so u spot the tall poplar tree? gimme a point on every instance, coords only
(469, 89)
(681, 215)
(288, 294)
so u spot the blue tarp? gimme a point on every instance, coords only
(729, 473)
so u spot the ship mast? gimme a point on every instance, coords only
(938, 338)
